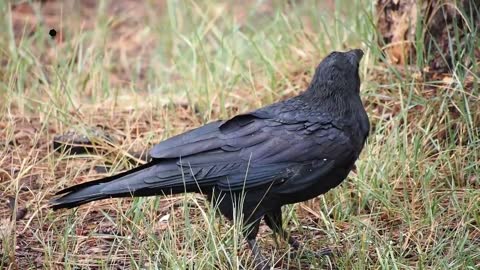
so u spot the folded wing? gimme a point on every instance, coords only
(248, 151)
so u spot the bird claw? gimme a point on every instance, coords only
(294, 244)
(261, 263)
(324, 252)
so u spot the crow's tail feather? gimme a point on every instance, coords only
(126, 184)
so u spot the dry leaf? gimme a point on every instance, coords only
(448, 80)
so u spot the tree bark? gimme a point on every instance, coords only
(435, 28)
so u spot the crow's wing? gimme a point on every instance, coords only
(250, 150)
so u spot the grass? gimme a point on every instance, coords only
(146, 71)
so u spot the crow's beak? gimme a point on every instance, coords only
(355, 56)
(358, 53)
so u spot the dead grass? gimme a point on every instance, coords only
(146, 71)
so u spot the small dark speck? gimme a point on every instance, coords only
(52, 33)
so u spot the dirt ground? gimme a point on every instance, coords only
(29, 145)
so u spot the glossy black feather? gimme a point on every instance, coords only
(286, 152)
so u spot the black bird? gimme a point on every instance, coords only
(284, 153)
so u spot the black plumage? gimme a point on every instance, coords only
(287, 152)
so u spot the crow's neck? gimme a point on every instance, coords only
(331, 98)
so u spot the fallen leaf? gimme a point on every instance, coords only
(448, 80)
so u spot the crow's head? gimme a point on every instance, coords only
(338, 72)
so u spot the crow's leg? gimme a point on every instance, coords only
(273, 220)
(260, 262)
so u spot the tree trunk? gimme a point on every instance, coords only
(436, 29)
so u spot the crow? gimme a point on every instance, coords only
(287, 152)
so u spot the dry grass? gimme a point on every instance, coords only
(146, 70)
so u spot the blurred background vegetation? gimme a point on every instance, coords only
(141, 71)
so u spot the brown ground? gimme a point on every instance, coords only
(134, 130)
